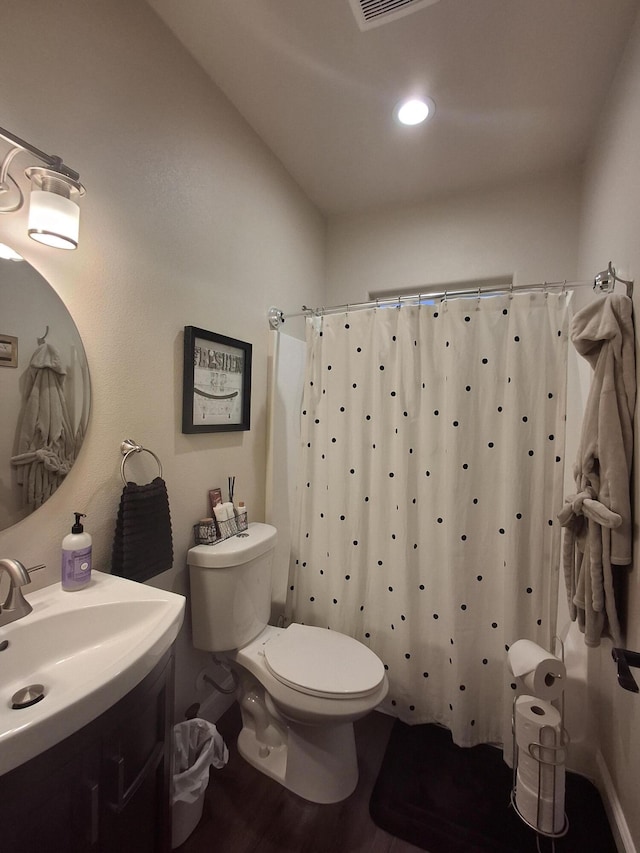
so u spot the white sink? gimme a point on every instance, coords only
(88, 649)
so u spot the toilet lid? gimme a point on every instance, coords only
(323, 663)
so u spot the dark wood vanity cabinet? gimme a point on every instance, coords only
(105, 789)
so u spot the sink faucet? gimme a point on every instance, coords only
(15, 605)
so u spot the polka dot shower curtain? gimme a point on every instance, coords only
(431, 468)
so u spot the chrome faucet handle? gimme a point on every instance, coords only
(15, 605)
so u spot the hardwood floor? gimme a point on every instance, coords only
(246, 812)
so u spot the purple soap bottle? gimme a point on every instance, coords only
(76, 557)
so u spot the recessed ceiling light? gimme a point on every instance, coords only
(414, 110)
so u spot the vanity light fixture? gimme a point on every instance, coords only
(54, 215)
(414, 110)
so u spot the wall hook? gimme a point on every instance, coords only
(605, 281)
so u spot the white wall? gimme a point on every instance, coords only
(188, 220)
(610, 231)
(528, 229)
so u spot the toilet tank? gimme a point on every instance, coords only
(231, 588)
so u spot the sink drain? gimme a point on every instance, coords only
(27, 697)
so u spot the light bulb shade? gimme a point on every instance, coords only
(414, 111)
(53, 219)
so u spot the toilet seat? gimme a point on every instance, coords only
(323, 663)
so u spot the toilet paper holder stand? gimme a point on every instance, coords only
(550, 755)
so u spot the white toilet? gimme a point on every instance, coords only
(300, 687)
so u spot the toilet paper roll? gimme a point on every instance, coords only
(552, 780)
(549, 779)
(533, 773)
(528, 769)
(536, 721)
(544, 813)
(538, 733)
(220, 512)
(538, 671)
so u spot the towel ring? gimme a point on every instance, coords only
(128, 447)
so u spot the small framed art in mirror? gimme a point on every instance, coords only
(216, 388)
(8, 351)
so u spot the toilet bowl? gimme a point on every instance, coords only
(300, 687)
(301, 734)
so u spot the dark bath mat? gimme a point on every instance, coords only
(446, 799)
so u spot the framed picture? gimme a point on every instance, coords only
(8, 351)
(216, 388)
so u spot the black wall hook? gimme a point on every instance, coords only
(624, 659)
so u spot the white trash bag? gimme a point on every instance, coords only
(197, 746)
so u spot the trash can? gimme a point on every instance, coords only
(197, 745)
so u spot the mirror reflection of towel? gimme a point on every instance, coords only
(143, 545)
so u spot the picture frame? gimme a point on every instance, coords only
(8, 351)
(216, 387)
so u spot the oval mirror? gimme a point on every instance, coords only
(44, 388)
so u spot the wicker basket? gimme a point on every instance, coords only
(211, 531)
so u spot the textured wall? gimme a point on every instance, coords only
(528, 230)
(611, 224)
(188, 220)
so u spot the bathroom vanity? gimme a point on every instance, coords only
(106, 787)
(86, 764)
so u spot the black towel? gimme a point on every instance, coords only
(142, 546)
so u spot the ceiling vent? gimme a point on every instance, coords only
(373, 13)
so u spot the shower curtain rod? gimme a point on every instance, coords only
(604, 282)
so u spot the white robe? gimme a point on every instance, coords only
(597, 519)
(45, 448)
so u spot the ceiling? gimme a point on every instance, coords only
(519, 87)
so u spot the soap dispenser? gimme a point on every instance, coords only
(76, 557)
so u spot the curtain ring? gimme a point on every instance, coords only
(511, 290)
(564, 286)
(444, 299)
(544, 289)
(377, 304)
